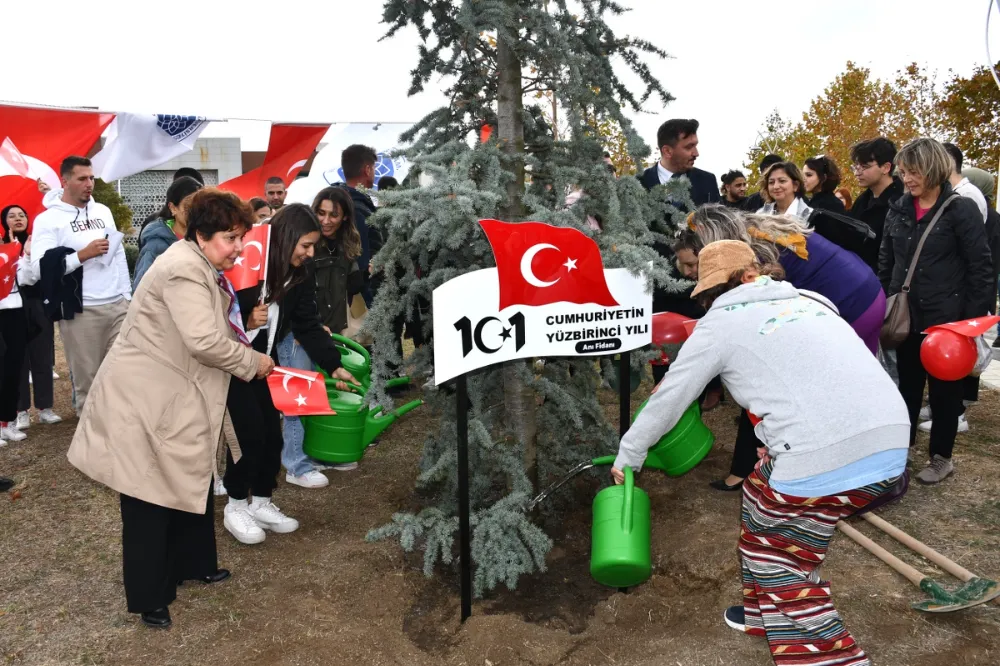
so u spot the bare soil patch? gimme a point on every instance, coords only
(323, 595)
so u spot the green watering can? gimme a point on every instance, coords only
(681, 449)
(344, 436)
(620, 554)
(675, 454)
(357, 361)
(620, 533)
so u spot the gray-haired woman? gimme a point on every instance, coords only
(952, 281)
(809, 261)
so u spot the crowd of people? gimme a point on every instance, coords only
(790, 325)
(792, 320)
(210, 347)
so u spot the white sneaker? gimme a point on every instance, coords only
(48, 417)
(963, 425)
(345, 467)
(55, 375)
(23, 421)
(220, 488)
(311, 479)
(269, 516)
(925, 413)
(241, 524)
(11, 433)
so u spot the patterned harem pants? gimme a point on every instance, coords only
(783, 541)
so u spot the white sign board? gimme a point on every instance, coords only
(471, 331)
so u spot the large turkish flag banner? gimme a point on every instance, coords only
(44, 137)
(288, 150)
(540, 264)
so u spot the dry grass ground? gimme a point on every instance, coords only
(324, 596)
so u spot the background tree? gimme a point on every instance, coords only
(527, 421)
(106, 194)
(616, 144)
(970, 116)
(855, 107)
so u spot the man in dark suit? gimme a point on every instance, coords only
(678, 143)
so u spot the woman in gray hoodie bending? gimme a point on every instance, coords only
(835, 429)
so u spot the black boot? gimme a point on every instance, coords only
(721, 484)
(217, 577)
(5, 484)
(157, 619)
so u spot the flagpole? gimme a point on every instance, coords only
(267, 262)
(92, 109)
(81, 109)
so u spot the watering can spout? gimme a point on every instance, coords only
(376, 423)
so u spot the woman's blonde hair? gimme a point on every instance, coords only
(928, 158)
(766, 234)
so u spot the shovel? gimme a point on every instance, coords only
(941, 601)
(974, 588)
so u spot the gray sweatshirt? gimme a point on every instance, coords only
(789, 359)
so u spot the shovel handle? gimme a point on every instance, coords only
(901, 567)
(920, 548)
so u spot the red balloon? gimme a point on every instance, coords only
(670, 328)
(947, 355)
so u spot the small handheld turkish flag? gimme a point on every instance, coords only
(9, 256)
(298, 392)
(971, 328)
(540, 264)
(251, 265)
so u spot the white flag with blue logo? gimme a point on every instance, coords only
(137, 142)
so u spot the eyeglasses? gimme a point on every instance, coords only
(859, 168)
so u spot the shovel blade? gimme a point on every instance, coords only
(977, 591)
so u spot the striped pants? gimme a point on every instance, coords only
(783, 541)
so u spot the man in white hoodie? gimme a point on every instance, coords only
(836, 436)
(78, 223)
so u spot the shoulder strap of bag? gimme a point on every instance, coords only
(920, 245)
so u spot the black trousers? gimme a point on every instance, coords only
(14, 329)
(944, 398)
(39, 359)
(258, 428)
(161, 547)
(745, 449)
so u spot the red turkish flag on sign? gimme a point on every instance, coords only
(298, 392)
(288, 150)
(10, 254)
(251, 265)
(43, 138)
(540, 264)
(971, 328)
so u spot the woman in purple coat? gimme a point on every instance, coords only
(810, 262)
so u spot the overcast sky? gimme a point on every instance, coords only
(320, 60)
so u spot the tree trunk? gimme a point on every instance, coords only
(519, 400)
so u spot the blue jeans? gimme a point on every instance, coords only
(293, 457)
